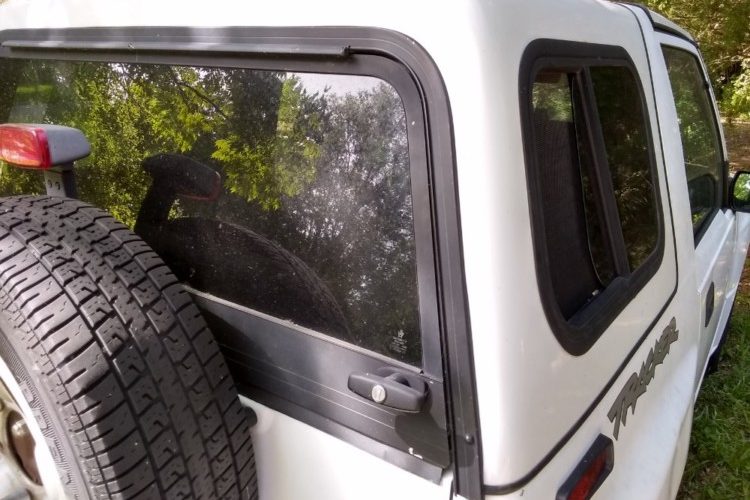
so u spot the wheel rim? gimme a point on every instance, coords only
(32, 466)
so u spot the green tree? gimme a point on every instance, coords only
(723, 31)
(256, 128)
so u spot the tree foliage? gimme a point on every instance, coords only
(323, 174)
(255, 126)
(723, 31)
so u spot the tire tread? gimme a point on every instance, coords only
(137, 374)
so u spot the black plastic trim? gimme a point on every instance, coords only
(663, 27)
(579, 333)
(171, 47)
(453, 344)
(302, 391)
(710, 301)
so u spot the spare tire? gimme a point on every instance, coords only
(104, 357)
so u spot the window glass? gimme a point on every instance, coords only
(626, 143)
(311, 219)
(579, 264)
(704, 164)
(594, 178)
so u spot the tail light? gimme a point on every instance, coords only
(24, 146)
(213, 190)
(41, 146)
(591, 472)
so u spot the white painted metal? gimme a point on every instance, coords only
(530, 391)
(550, 389)
(296, 460)
(714, 255)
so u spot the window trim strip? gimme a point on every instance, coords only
(275, 49)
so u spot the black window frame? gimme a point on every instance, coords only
(724, 184)
(446, 337)
(579, 333)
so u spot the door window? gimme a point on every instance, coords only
(701, 145)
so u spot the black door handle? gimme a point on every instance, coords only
(390, 387)
(710, 303)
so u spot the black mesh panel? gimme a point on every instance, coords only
(573, 276)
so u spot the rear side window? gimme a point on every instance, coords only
(311, 219)
(626, 142)
(594, 203)
(701, 145)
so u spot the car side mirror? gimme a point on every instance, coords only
(739, 192)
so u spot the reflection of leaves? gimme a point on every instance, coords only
(742, 189)
(626, 140)
(130, 112)
(14, 181)
(324, 175)
(551, 94)
(700, 141)
(697, 129)
(356, 218)
(281, 163)
(352, 222)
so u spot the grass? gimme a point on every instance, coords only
(718, 465)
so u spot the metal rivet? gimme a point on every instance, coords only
(469, 439)
(19, 429)
(378, 393)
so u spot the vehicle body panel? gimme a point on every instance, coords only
(540, 407)
(325, 466)
(714, 249)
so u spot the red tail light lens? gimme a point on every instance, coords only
(590, 472)
(24, 146)
(212, 192)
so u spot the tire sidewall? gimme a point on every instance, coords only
(36, 401)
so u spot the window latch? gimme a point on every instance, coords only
(391, 387)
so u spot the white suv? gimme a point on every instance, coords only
(445, 250)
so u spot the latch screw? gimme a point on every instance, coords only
(378, 393)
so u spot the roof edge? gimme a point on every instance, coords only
(662, 23)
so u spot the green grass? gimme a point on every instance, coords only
(719, 461)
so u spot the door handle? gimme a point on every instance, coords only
(391, 387)
(710, 304)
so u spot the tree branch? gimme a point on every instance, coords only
(199, 94)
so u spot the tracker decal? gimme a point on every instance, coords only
(638, 382)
